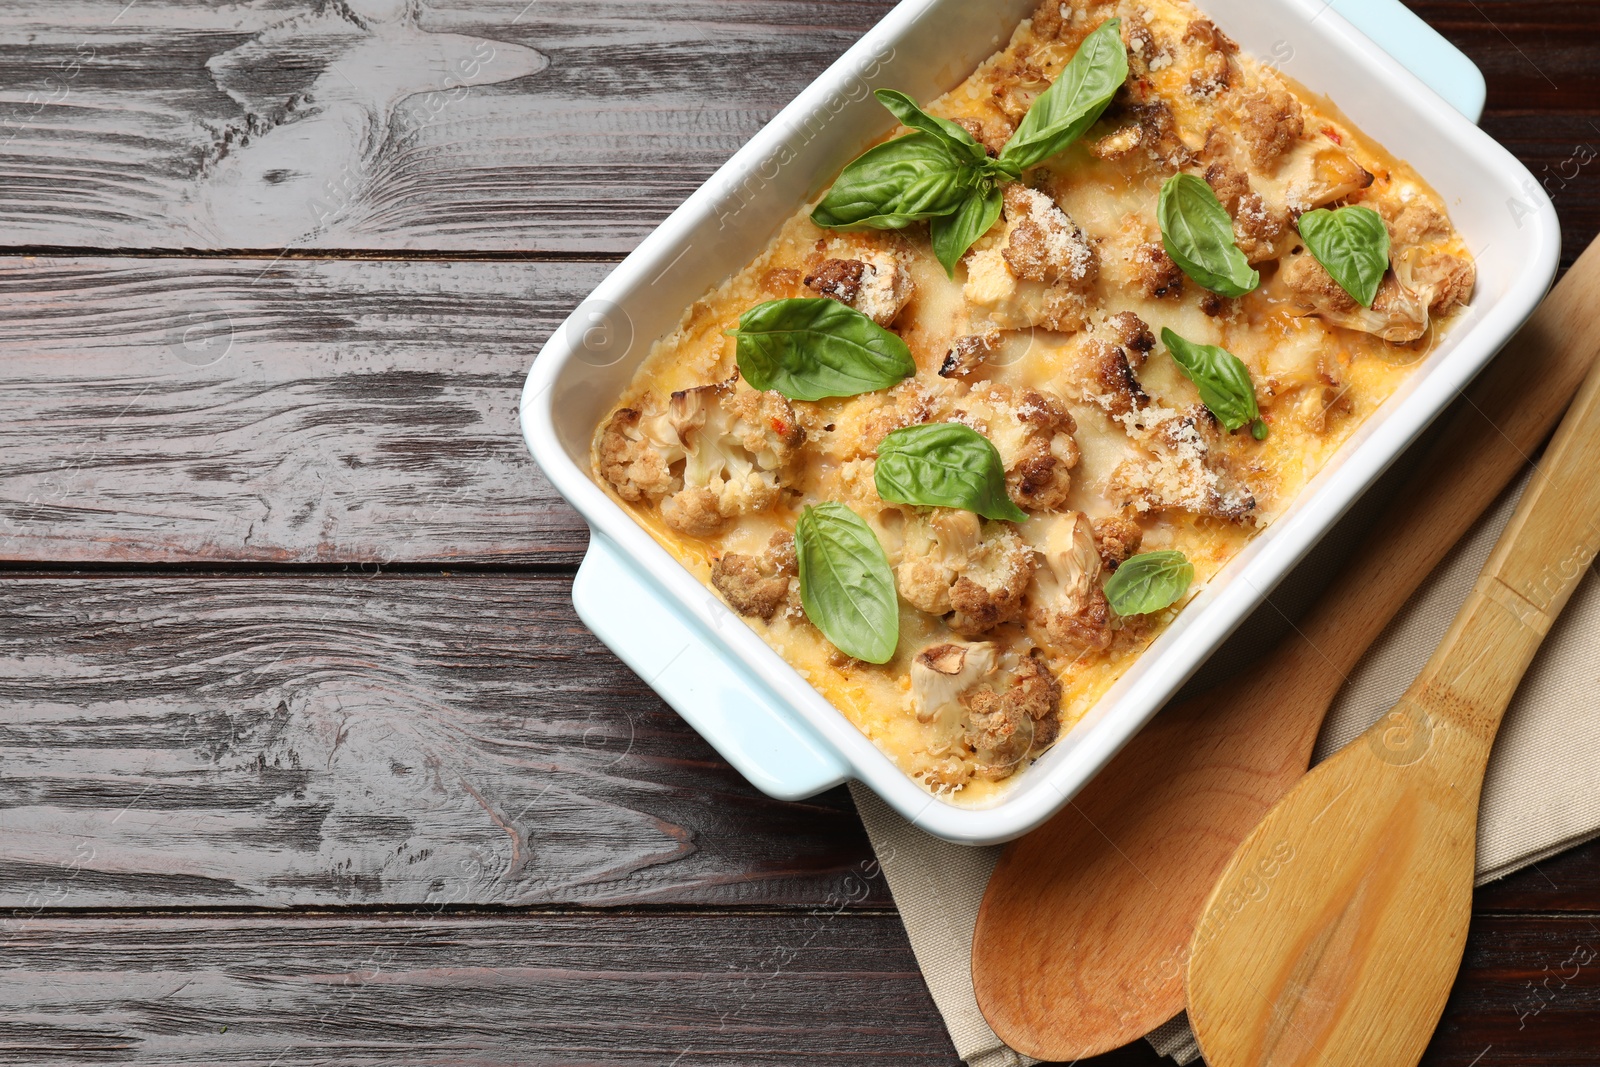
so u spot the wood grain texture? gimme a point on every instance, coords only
(178, 124)
(477, 125)
(522, 988)
(341, 741)
(286, 411)
(511, 989)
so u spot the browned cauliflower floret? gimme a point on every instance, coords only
(1067, 609)
(1133, 335)
(1271, 122)
(1017, 86)
(1039, 268)
(1258, 230)
(1045, 244)
(1182, 471)
(637, 456)
(1150, 133)
(1033, 434)
(757, 586)
(875, 283)
(1324, 176)
(1397, 314)
(989, 712)
(715, 453)
(956, 565)
(1003, 729)
(1154, 271)
(740, 449)
(1105, 374)
(967, 354)
(1119, 540)
(862, 426)
(1413, 223)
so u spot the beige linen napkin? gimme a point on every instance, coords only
(1542, 795)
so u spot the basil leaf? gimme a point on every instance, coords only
(1146, 584)
(906, 110)
(912, 178)
(954, 234)
(846, 585)
(1075, 102)
(1224, 382)
(811, 349)
(945, 465)
(1352, 244)
(1198, 235)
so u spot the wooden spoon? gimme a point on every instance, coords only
(1084, 932)
(1336, 930)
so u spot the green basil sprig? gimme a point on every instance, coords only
(956, 136)
(1146, 584)
(1223, 380)
(945, 465)
(846, 585)
(1198, 235)
(811, 349)
(953, 234)
(1075, 102)
(910, 179)
(940, 173)
(1352, 244)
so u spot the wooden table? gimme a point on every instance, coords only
(305, 757)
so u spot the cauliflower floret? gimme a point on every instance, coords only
(875, 283)
(757, 586)
(1260, 233)
(967, 354)
(860, 424)
(1066, 608)
(1319, 176)
(740, 447)
(1119, 540)
(1152, 130)
(638, 453)
(715, 453)
(1182, 469)
(1003, 729)
(1272, 122)
(941, 674)
(1033, 434)
(955, 564)
(1423, 284)
(989, 713)
(1040, 269)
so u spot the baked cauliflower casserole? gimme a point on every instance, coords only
(974, 427)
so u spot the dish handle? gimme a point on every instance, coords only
(1421, 49)
(673, 654)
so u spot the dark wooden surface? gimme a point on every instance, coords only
(304, 756)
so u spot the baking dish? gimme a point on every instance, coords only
(717, 673)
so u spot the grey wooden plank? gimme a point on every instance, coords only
(252, 741)
(510, 125)
(524, 989)
(288, 411)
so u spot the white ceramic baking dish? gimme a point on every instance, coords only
(740, 695)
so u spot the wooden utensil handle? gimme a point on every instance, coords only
(1535, 568)
(1509, 411)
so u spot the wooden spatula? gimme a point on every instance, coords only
(1083, 937)
(1336, 929)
